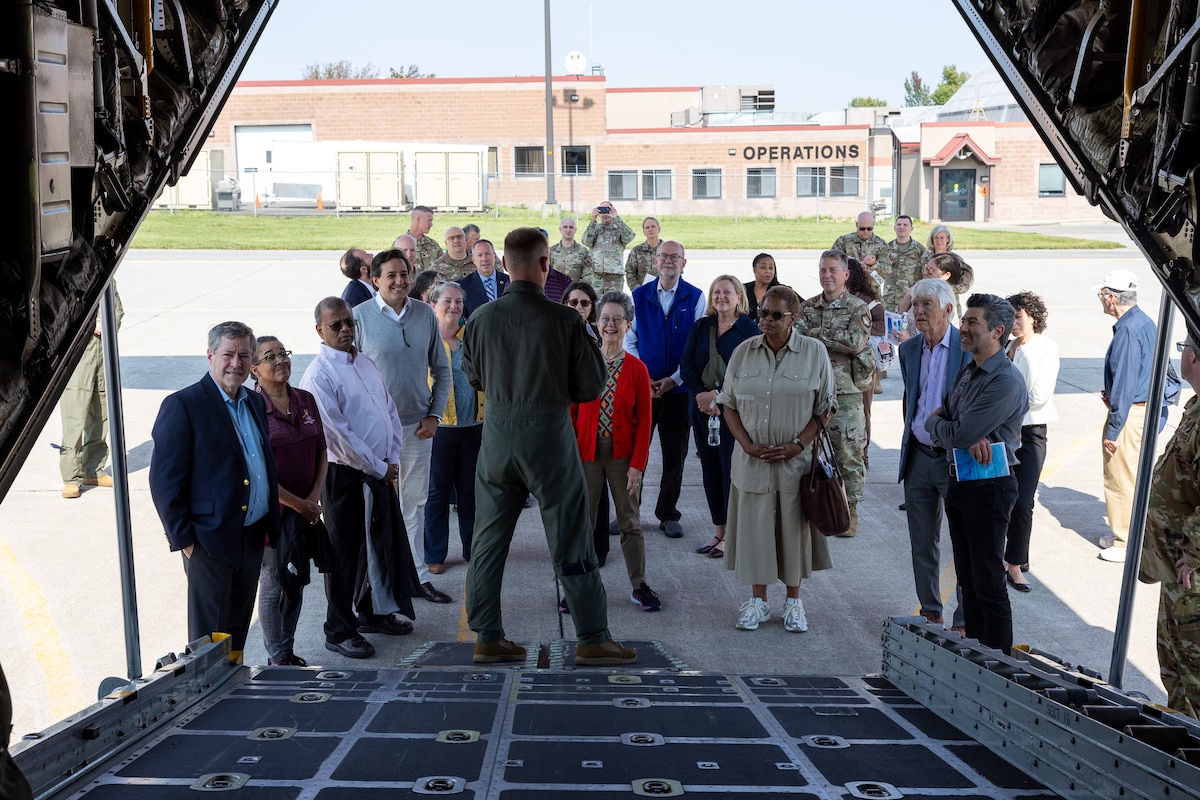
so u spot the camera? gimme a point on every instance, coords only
(605, 209)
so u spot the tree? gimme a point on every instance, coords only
(410, 71)
(867, 102)
(916, 91)
(337, 71)
(952, 80)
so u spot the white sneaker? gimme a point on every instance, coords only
(794, 620)
(1114, 554)
(754, 611)
(1108, 541)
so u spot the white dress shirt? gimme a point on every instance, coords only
(362, 429)
(665, 298)
(1037, 361)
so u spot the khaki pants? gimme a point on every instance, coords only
(1120, 472)
(606, 469)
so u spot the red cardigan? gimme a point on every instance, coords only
(631, 417)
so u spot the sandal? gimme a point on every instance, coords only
(715, 553)
(713, 542)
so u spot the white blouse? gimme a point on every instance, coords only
(1037, 361)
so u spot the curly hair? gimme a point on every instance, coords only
(1032, 305)
(859, 283)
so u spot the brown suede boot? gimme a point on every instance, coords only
(852, 531)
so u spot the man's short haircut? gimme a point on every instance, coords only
(522, 247)
(329, 304)
(352, 263)
(904, 216)
(935, 288)
(787, 295)
(837, 255)
(470, 228)
(997, 312)
(478, 242)
(619, 298)
(1033, 306)
(1125, 298)
(385, 256)
(743, 304)
(421, 210)
(228, 330)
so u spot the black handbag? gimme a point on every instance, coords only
(822, 490)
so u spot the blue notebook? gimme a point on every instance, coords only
(966, 468)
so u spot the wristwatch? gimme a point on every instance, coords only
(797, 442)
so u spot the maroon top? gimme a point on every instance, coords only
(296, 440)
(556, 283)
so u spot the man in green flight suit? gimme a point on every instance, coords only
(84, 410)
(532, 358)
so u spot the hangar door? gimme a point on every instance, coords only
(254, 144)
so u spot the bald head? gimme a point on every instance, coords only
(407, 245)
(456, 243)
(866, 225)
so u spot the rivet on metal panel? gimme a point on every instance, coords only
(333, 675)
(783, 765)
(220, 782)
(767, 682)
(249, 759)
(631, 702)
(457, 736)
(873, 790)
(439, 784)
(642, 739)
(707, 765)
(592, 764)
(311, 697)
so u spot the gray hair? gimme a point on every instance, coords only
(1125, 298)
(329, 304)
(836, 255)
(619, 298)
(438, 289)
(936, 230)
(997, 312)
(936, 288)
(228, 330)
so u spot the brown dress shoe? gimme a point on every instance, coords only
(436, 569)
(498, 652)
(70, 490)
(605, 653)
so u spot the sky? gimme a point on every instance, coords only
(817, 55)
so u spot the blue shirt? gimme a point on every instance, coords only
(1127, 366)
(934, 359)
(252, 453)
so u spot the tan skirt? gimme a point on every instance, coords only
(768, 539)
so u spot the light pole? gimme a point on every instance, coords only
(551, 207)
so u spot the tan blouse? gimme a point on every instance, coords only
(776, 394)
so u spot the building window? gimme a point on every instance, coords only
(494, 163)
(656, 184)
(1051, 181)
(843, 181)
(760, 182)
(810, 181)
(529, 161)
(622, 185)
(577, 160)
(706, 184)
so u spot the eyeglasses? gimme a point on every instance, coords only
(1180, 345)
(861, 228)
(612, 320)
(271, 358)
(336, 327)
(775, 315)
(672, 257)
(578, 303)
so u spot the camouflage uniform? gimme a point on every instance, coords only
(843, 325)
(427, 252)
(607, 243)
(574, 262)
(1173, 532)
(639, 264)
(452, 268)
(901, 267)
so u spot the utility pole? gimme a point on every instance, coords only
(550, 209)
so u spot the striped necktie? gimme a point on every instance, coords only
(489, 284)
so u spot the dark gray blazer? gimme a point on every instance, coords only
(910, 374)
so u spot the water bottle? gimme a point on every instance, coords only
(714, 431)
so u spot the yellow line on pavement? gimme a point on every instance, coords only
(62, 689)
(465, 634)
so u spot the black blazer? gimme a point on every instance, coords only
(750, 298)
(476, 295)
(198, 476)
(356, 293)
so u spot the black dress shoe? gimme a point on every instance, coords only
(671, 528)
(903, 506)
(705, 549)
(1025, 567)
(613, 530)
(1020, 587)
(354, 647)
(433, 595)
(393, 624)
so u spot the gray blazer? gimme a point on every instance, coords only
(910, 374)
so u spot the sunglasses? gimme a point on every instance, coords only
(336, 327)
(578, 303)
(775, 315)
(866, 229)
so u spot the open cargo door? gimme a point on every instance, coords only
(106, 102)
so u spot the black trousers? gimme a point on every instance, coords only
(978, 513)
(221, 591)
(715, 462)
(344, 519)
(669, 414)
(1032, 454)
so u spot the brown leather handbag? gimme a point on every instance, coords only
(822, 490)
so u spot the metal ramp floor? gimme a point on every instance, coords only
(432, 727)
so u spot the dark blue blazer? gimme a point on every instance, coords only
(356, 293)
(198, 476)
(910, 374)
(476, 295)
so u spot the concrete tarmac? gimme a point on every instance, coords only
(60, 601)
